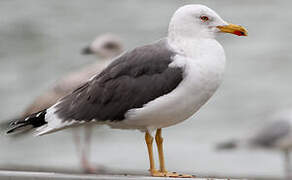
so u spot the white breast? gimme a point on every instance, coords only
(202, 76)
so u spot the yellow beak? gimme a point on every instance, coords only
(233, 29)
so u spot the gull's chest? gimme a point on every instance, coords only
(202, 77)
(203, 68)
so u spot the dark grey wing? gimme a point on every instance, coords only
(132, 80)
(272, 133)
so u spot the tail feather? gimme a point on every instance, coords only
(32, 121)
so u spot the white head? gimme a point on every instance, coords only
(105, 46)
(199, 21)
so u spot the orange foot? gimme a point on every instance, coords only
(87, 167)
(89, 170)
(156, 173)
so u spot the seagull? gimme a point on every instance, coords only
(275, 134)
(105, 46)
(150, 87)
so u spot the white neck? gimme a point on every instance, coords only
(185, 41)
(178, 31)
(191, 47)
(195, 47)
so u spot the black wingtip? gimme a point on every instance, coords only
(15, 124)
(33, 121)
(10, 130)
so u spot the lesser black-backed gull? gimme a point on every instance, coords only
(151, 87)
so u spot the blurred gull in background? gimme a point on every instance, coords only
(105, 46)
(275, 134)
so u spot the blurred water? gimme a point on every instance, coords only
(41, 40)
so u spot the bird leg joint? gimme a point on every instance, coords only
(158, 137)
(148, 139)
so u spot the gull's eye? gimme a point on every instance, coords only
(110, 45)
(204, 18)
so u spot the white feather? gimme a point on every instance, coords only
(54, 123)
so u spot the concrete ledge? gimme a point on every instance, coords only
(25, 175)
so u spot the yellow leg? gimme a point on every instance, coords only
(163, 172)
(149, 142)
(159, 142)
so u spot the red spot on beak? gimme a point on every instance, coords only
(239, 33)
